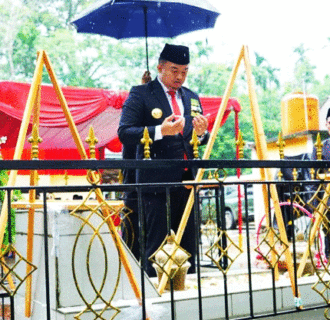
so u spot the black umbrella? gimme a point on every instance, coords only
(146, 18)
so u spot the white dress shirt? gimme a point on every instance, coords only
(158, 133)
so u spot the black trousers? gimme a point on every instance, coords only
(130, 224)
(157, 221)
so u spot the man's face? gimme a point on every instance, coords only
(172, 75)
(327, 124)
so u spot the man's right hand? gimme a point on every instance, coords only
(172, 125)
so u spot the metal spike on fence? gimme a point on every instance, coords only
(92, 141)
(240, 143)
(281, 144)
(194, 142)
(319, 145)
(146, 141)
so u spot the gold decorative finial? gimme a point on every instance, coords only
(318, 144)
(35, 140)
(146, 141)
(120, 177)
(312, 173)
(195, 143)
(210, 175)
(295, 174)
(279, 175)
(240, 143)
(92, 141)
(66, 177)
(281, 144)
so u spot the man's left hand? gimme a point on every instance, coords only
(200, 124)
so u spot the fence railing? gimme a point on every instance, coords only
(249, 263)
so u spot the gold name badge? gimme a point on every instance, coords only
(156, 113)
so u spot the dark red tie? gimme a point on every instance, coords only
(175, 105)
(177, 112)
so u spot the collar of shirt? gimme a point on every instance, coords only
(169, 98)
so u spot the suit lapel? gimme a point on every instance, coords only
(186, 103)
(159, 94)
(187, 112)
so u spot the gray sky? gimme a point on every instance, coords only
(273, 29)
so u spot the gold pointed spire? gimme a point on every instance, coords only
(35, 140)
(92, 141)
(240, 143)
(195, 143)
(295, 174)
(120, 177)
(146, 141)
(318, 144)
(66, 177)
(281, 144)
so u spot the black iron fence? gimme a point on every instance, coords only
(249, 264)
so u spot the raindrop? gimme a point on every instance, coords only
(159, 4)
(159, 20)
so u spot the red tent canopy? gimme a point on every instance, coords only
(89, 107)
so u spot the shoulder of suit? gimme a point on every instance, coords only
(143, 87)
(188, 91)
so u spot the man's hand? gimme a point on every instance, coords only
(172, 125)
(146, 77)
(200, 124)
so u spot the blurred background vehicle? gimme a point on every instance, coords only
(210, 197)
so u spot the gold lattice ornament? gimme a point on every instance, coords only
(271, 247)
(95, 220)
(224, 252)
(170, 251)
(11, 280)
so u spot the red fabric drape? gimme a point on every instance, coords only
(89, 107)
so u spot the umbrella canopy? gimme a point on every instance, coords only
(146, 18)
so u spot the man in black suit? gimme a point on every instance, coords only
(170, 112)
(315, 203)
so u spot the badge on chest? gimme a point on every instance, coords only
(156, 113)
(196, 108)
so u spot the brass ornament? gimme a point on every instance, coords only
(318, 145)
(92, 141)
(240, 144)
(146, 141)
(35, 140)
(156, 113)
(281, 144)
(195, 143)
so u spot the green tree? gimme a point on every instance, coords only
(303, 70)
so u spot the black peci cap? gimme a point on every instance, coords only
(175, 54)
(328, 114)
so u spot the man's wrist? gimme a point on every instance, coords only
(203, 134)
